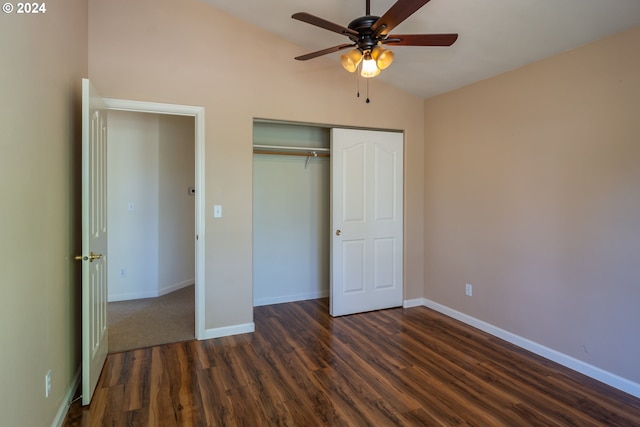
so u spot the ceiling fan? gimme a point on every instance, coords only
(369, 33)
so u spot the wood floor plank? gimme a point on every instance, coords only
(215, 401)
(136, 395)
(300, 417)
(301, 367)
(161, 409)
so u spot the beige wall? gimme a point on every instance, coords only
(189, 53)
(532, 194)
(44, 58)
(176, 223)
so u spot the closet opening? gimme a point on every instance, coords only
(291, 212)
(327, 216)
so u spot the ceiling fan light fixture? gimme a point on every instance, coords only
(369, 36)
(382, 56)
(351, 60)
(369, 67)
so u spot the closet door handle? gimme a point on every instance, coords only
(338, 232)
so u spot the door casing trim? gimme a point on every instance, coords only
(198, 114)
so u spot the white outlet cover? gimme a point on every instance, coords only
(47, 384)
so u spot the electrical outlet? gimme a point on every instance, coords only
(123, 272)
(47, 383)
(468, 290)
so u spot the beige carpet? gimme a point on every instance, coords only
(152, 321)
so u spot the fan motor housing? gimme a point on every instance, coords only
(365, 39)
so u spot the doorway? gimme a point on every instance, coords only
(196, 192)
(151, 214)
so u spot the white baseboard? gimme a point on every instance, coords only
(175, 287)
(594, 372)
(131, 296)
(290, 298)
(225, 331)
(150, 294)
(409, 303)
(66, 402)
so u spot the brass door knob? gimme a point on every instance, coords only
(89, 258)
(338, 232)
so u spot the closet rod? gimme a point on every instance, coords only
(311, 153)
(281, 147)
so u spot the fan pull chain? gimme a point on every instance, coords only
(368, 91)
(357, 73)
(358, 81)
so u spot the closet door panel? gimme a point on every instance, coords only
(366, 182)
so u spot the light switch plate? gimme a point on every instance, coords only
(217, 211)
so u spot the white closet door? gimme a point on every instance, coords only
(366, 220)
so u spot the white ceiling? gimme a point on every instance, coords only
(495, 35)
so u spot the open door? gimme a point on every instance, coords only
(94, 239)
(366, 220)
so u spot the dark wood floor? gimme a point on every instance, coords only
(398, 367)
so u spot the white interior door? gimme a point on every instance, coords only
(366, 220)
(94, 238)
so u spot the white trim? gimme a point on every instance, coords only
(200, 231)
(198, 114)
(572, 363)
(151, 107)
(129, 296)
(409, 303)
(150, 294)
(175, 287)
(245, 328)
(290, 298)
(58, 421)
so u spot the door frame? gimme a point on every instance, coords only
(198, 114)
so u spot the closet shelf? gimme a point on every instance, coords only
(280, 150)
(291, 151)
(289, 147)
